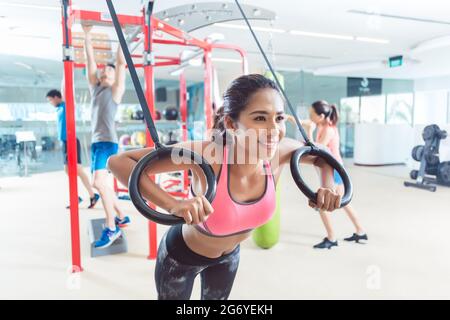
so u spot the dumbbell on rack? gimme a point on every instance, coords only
(431, 171)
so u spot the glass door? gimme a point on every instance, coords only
(349, 115)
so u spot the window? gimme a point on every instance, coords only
(349, 115)
(373, 109)
(399, 108)
(349, 111)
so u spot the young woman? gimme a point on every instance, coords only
(324, 117)
(208, 244)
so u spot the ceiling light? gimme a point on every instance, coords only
(243, 27)
(337, 36)
(392, 16)
(373, 40)
(320, 35)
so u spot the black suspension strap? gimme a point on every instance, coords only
(161, 151)
(310, 148)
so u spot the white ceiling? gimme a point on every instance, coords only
(36, 32)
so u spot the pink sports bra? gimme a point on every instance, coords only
(231, 217)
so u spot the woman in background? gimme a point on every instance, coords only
(325, 117)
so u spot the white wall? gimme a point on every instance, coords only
(435, 83)
(380, 144)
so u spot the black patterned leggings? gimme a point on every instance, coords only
(177, 266)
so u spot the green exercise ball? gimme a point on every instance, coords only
(267, 235)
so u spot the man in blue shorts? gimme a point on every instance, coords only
(54, 97)
(107, 89)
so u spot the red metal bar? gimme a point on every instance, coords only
(173, 62)
(118, 189)
(100, 18)
(101, 66)
(166, 63)
(241, 52)
(95, 48)
(100, 40)
(149, 95)
(71, 147)
(177, 33)
(168, 58)
(174, 42)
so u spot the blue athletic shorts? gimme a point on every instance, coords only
(100, 152)
(337, 178)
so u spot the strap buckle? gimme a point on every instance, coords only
(68, 53)
(149, 58)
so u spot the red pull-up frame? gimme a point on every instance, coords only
(71, 136)
(148, 27)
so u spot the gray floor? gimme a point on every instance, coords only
(407, 255)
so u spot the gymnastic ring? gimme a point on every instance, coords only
(314, 151)
(163, 152)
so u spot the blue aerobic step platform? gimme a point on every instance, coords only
(96, 227)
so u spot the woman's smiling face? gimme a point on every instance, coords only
(261, 125)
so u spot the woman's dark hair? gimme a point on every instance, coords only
(328, 110)
(236, 98)
(54, 93)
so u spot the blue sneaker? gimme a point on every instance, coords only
(108, 238)
(94, 200)
(122, 222)
(326, 244)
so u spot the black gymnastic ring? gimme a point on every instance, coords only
(133, 184)
(314, 151)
